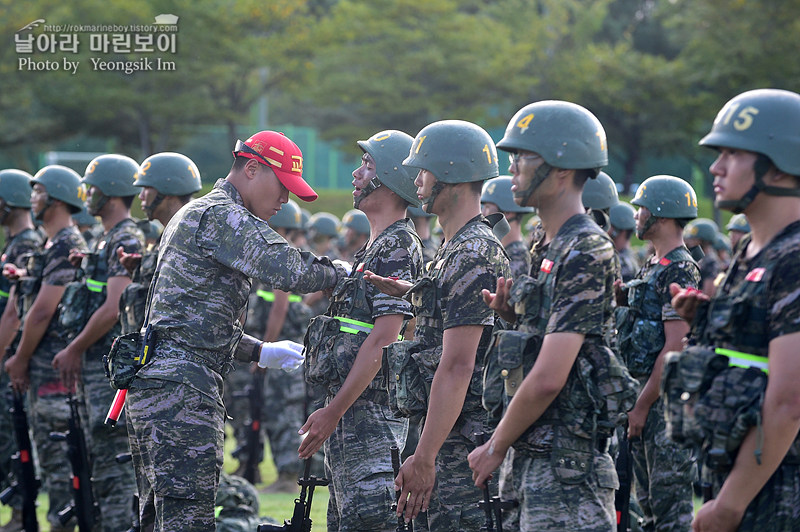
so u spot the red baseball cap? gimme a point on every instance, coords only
(277, 151)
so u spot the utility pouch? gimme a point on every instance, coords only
(128, 354)
(320, 363)
(572, 457)
(407, 386)
(74, 309)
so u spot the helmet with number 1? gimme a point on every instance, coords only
(498, 191)
(621, 216)
(388, 149)
(564, 134)
(171, 174)
(665, 196)
(454, 151)
(762, 121)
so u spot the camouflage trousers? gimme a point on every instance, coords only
(546, 503)
(454, 500)
(776, 507)
(49, 412)
(113, 483)
(662, 472)
(8, 446)
(358, 462)
(176, 438)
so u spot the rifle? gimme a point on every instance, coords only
(622, 498)
(402, 526)
(301, 516)
(83, 508)
(254, 443)
(492, 506)
(25, 483)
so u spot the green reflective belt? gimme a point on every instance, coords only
(95, 286)
(355, 326)
(744, 360)
(3, 295)
(270, 296)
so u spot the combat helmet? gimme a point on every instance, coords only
(15, 188)
(564, 134)
(63, 184)
(324, 223)
(702, 229)
(170, 174)
(600, 193)
(621, 216)
(738, 222)
(454, 151)
(357, 221)
(288, 217)
(388, 149)
(498, 191)
(665, 196)
(113, 176)
(762, 121)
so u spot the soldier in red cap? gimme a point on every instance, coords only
(211, 250)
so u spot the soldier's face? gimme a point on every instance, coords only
(522, 167)
(147, 196)
(425, 182)
(362, 176)
(269, 194)
(641, 216)
(733, 173)
(38, 199)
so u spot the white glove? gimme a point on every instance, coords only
(285, 355)
(346, 266)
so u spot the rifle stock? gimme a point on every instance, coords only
(301, 515)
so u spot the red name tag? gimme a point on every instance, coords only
(664, 261)
(755, 275)
(547, 265)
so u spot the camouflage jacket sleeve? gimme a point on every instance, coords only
(58, 270)
(582, 297)
(685, 274)
(131, 239)
(477, 266)
(253, 248)
(400, 256)
(784, 288)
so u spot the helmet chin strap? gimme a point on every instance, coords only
(39, 216)
(4, 212)
(95, 207)
(373, 184)
(647, 225)
(437, 188)
(150, 210)
(760, 168)
(538, 178)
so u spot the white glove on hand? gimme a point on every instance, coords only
(346, 266)
(285, 355)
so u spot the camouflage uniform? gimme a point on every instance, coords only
(628, 264)
(285, 400)
(112, 482)
(429, 247)
(710, 267)
(16, 251)
(561, 471)
(519, 258)
(47, 396)
(730, 404)
(357, 457)
(471, 261)
(662, 469)
(210, 250)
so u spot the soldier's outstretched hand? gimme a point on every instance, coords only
(686, 300)
(130, 261)
(388, 285)
(498, 301)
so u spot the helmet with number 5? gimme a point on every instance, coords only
(762, 121)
